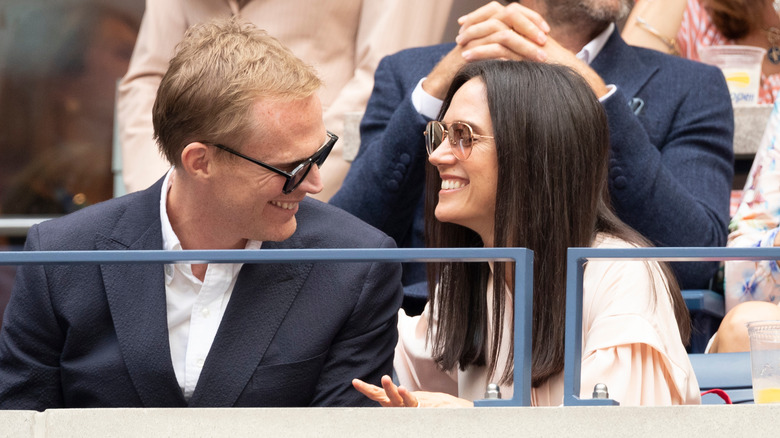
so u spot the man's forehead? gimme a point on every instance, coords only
(287, 113)
(288, 129)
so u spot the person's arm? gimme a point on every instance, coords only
(364, 347)
(162, 27)
(676, 192)
(654, 24)
(31, 342)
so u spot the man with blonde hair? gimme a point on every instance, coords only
(238, 117)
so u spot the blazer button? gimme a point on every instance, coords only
(405, 158)
(620, 182)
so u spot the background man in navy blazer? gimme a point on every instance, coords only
(671, 124)
(218, 334)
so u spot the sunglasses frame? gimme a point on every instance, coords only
(305, 166)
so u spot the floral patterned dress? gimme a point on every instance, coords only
(756, 224)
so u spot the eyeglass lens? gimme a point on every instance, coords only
(459, 134)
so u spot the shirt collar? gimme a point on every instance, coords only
(591, 50)
(170, 240)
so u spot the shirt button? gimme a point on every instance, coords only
(168, 270)
(205, 312)
(200, 362)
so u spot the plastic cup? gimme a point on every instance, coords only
(741, 65)
(765, 360)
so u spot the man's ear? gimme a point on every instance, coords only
(196, 159)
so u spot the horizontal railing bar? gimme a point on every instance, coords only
(18, 226)
(676, 254)
(260, 256)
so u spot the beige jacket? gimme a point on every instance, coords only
(344, 40)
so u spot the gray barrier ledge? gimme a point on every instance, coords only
(693, 421)
(522, 257)
(575, 261)
(17, 226)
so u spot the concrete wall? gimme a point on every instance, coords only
(691, 421)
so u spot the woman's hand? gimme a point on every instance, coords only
(390, 395)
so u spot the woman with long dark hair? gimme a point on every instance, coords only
(520, 157)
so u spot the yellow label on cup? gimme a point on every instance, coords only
(738, 78)
(768, 395)
(743, 85)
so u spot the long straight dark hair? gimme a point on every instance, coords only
(552, 142)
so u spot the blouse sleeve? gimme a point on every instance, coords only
(413, 363)
(631, 340)
(637, 375)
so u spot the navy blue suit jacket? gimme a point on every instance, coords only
(671, 162)
(292, 334)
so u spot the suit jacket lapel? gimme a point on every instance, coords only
(618, 64)
(136, 297)
(260, 301)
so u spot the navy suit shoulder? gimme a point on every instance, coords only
(77, 230)
(322, 225)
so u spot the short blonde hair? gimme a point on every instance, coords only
(221, 69)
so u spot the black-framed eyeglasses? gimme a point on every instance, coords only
(460, 134)
(295, 177)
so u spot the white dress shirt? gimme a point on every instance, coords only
(430, 106)
(195, 308)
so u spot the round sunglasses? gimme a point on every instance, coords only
(460, 134)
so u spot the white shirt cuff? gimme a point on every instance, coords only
(424, 103)
(611, 88)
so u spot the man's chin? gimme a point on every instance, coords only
(281, 232)
(607, 13)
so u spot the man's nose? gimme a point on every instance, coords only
(313, 181)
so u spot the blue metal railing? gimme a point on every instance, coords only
(522, 257)
(576, 259)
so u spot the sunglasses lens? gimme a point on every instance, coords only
(434, 134)
(460, 139)
(297, 178)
